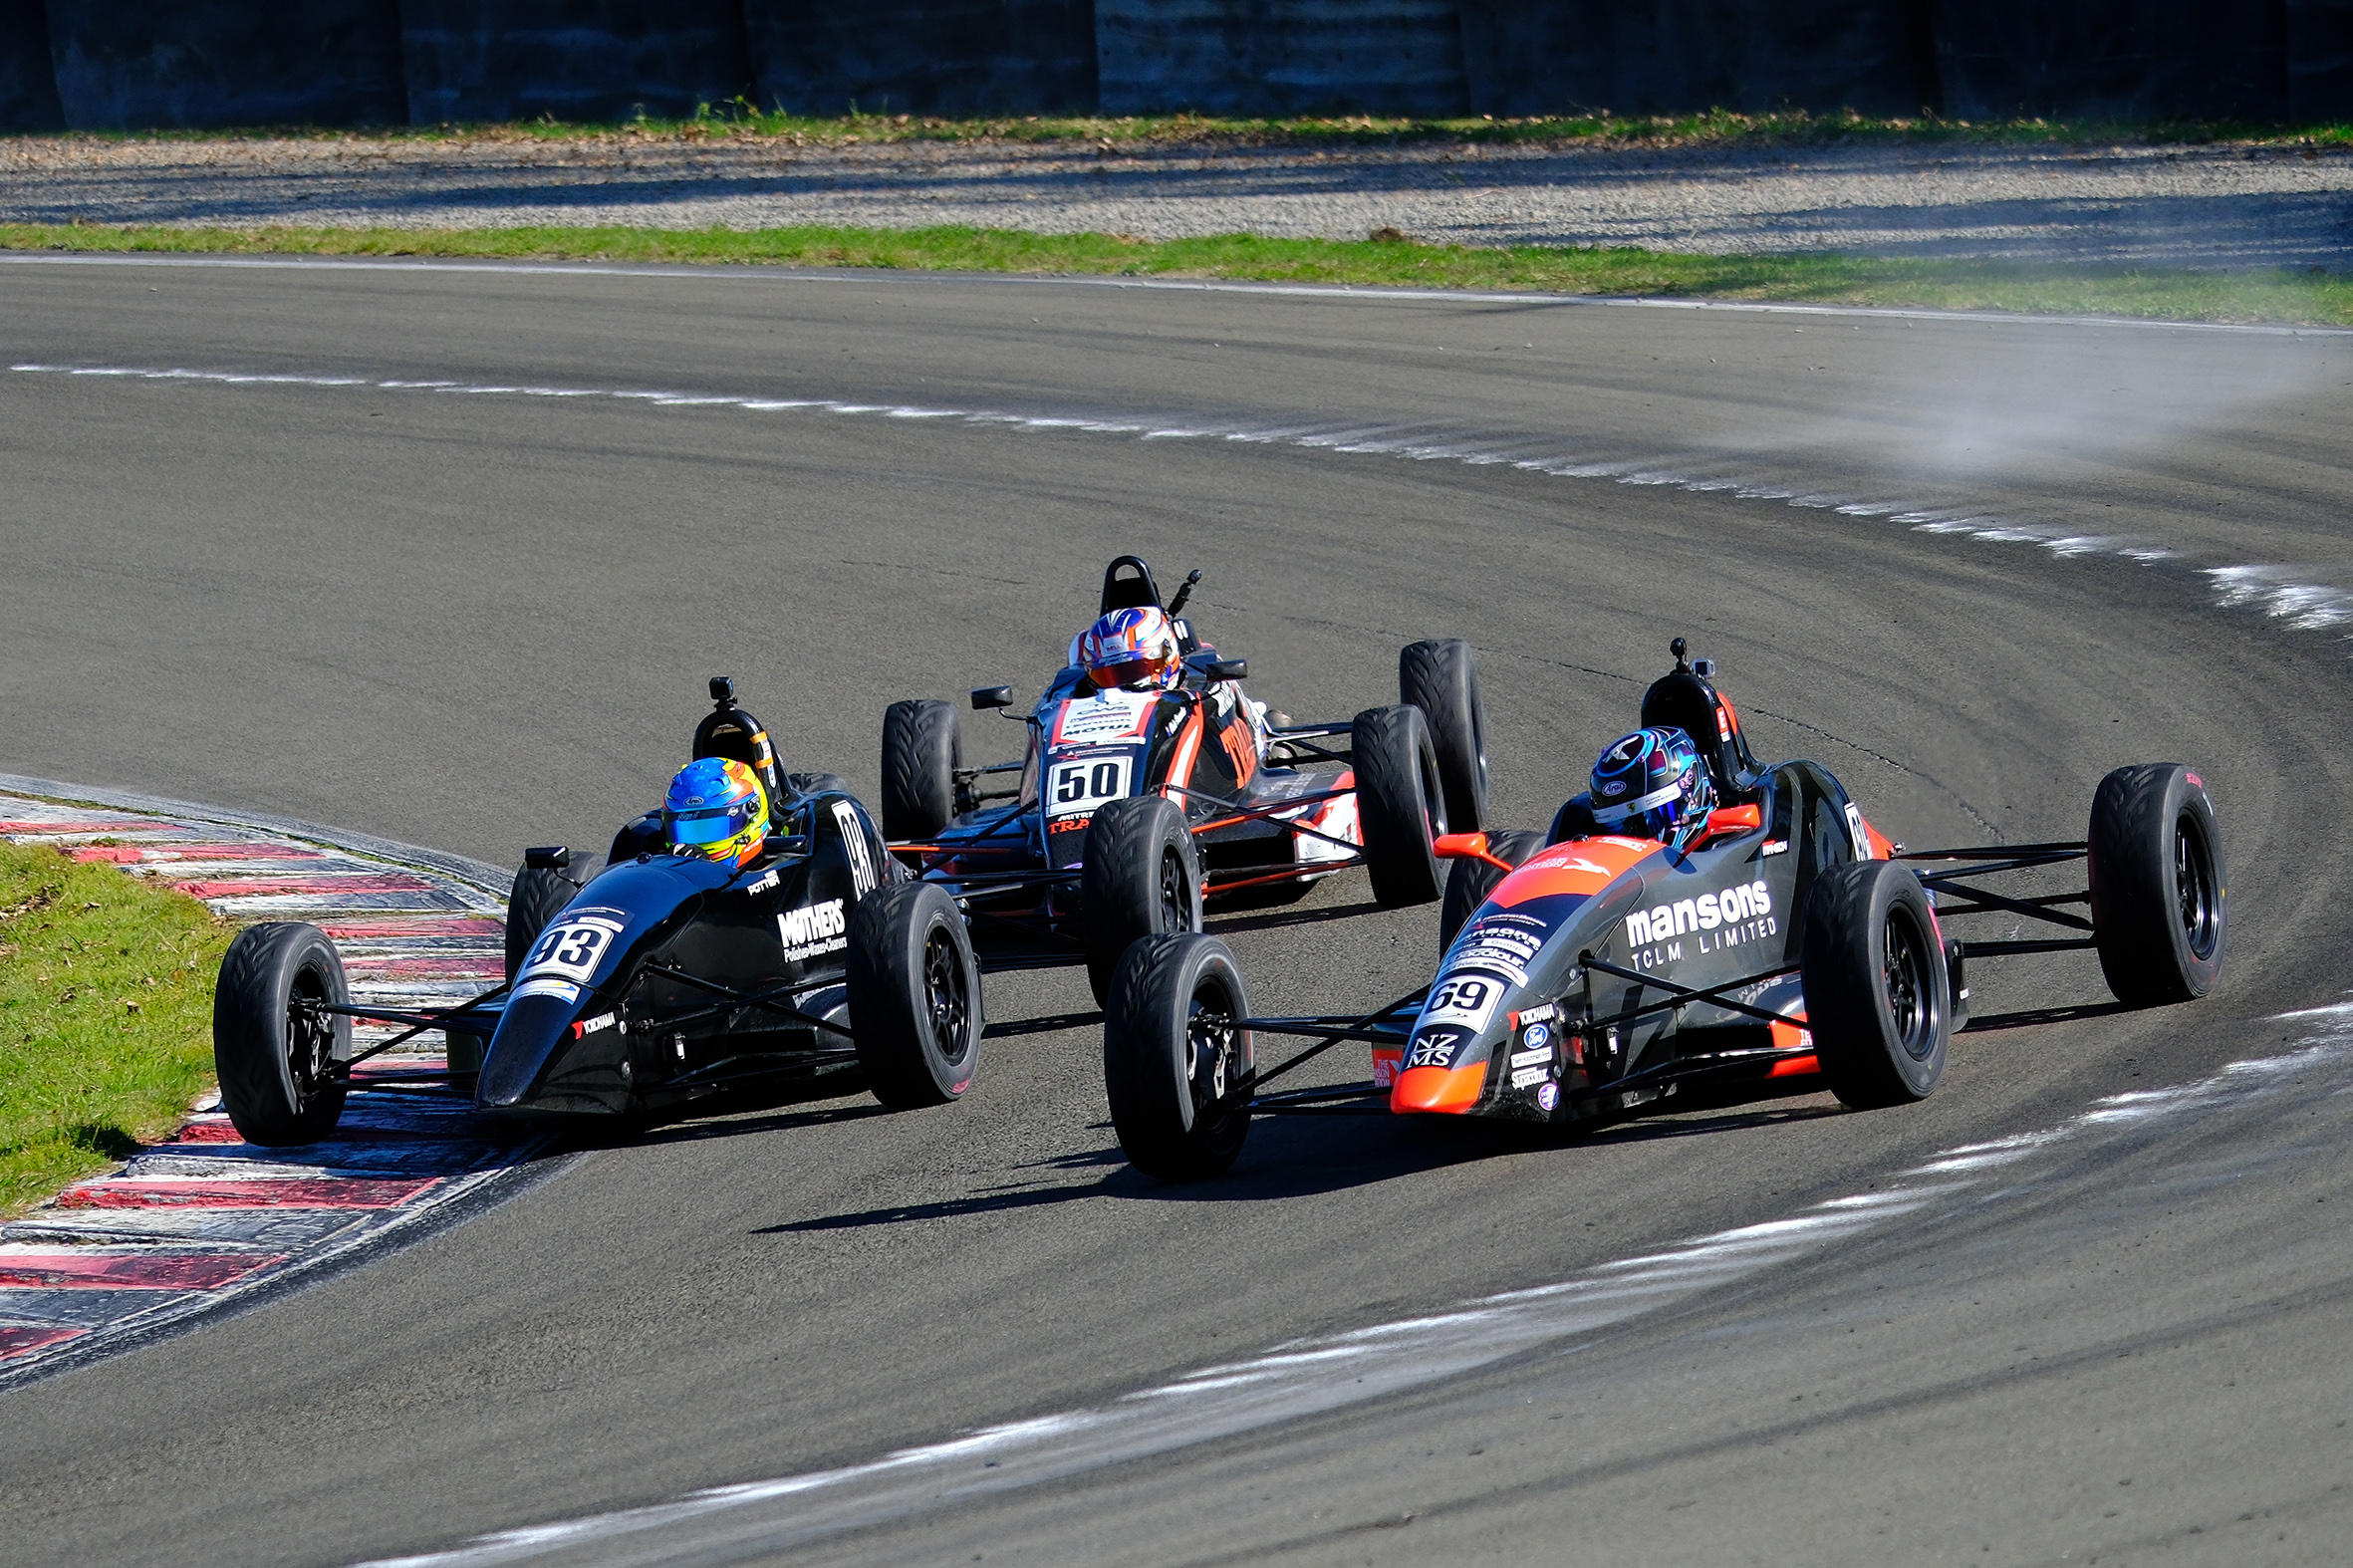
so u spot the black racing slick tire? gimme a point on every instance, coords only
(1143, 878)
(1173, 1051)
(1401, 803)
(2157, 887)
(538, 895)
(1440, 678)
(914, 996)
(1877, 996)
(1468, 883)
(275, 1051)
(803, 784)
(921, 749)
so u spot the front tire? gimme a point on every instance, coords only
(914, 996)
(1471, 883)
(274, 1054)
(922, 750)
(1401, 803)
(2156, 863)
(1173, 1048)
(1877, 992)
(1143, 878)
(1440, 678)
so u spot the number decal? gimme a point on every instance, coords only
(1077, 787)
(570, 948)
(1857, 832)
(1467, 999)
(862, 866)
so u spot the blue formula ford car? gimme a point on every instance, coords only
(642, 981)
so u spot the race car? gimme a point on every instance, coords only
(1787, 946)
(642, 981)
(1133, 810)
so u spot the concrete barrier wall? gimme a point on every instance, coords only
(1665, 57)
(2130, 58)
(923, 57)
(28, 81)
(582, 60)
(126, 64)
(1280, 57)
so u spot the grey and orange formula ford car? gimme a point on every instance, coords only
(1786, 943)
(1136, 802)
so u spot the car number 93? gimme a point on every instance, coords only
(1465, 999)
(1079, 785)
(571, 948)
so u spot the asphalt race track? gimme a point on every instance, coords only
(476, 617)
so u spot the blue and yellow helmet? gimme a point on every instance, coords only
(1651, 784)
(716, 809)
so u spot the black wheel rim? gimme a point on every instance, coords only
(1214, 1053)
(1905, 974)
(946, 998)
(2194, 888)
(1175, 904)
(310, 1040)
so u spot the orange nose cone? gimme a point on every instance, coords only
(1451, 1089)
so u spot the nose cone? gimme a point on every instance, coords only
(1446, 1089)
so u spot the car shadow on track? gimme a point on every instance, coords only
(2030, 1016)
(1050, 1024)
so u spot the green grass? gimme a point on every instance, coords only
(105, 1016)
(740, 120)
(2260, 296)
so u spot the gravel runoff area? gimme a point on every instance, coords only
(2216, 205)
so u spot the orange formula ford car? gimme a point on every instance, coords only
(1786, 943)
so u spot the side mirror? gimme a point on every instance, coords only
(1461, 846)
(985, 697)
(1227, 669)
(547, 856)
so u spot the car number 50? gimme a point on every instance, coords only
(1085, 784)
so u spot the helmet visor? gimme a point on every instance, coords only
(710, 824)
(1640, 804)
(1128, 672)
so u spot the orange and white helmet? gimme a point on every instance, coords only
(1135, 648)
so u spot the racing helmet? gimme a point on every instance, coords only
(1651, 784)
(716, 809)
(1133, 648)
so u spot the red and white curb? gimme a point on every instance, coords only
(204, 1217)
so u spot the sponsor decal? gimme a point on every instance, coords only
(1535, 1014)
(1708, 911)
(1538, 1058)
(1723, 723)
(763, 884)
(1614, 787)
(1076, 786)
(571, 948)
(1465, 999)
(1504, 945)
(1547, 1095)
(562, 990)
(1108, 715)
(1385, 1065)
(862, 866)
(1435, 1048)
(588, 1026)
(1522, 1078)
(1537, 1035)
(1775, 847)
(813, 929)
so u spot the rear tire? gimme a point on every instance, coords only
(1143, 878)
(1440, 678)
(2156, 888)
(1469, 882)
(538, 897)
(1877, 992)
(276, 1058)
(922, 750)
(1171, 1050)
(1401, 804)
(914, 996)
(815, 784)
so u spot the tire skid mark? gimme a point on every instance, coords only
(1317, 1376)
(203, 1217)
(2277, 592)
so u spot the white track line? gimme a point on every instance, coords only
(1360, 293)
(1316, 1376)
(2275, 591)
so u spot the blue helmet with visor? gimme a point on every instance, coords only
(716, 809)
(1651, 784)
